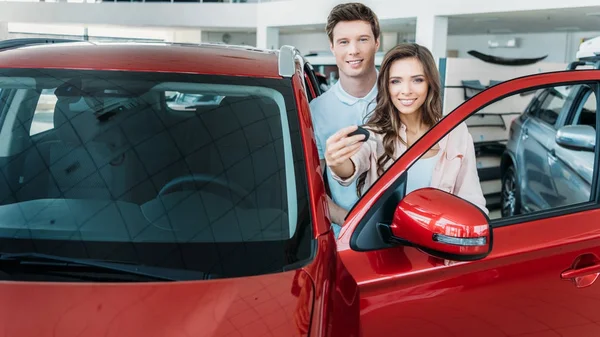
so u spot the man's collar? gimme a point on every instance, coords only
(348, 99)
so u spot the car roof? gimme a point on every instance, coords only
(148, 57)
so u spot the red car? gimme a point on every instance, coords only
(123, 216)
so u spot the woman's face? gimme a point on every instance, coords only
(407, 85)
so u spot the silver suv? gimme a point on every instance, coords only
(549, 157)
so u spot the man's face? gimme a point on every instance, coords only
(354, 47)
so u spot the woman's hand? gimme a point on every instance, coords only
(339, 148)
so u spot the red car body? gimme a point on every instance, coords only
(514, 290)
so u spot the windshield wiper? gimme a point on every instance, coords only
(157, 273)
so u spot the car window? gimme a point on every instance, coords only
(312, 86)
(586, 112)
(512, 167)
(330, 72)
(44, 112)
(536, 101)
(101, 166)
(525, 168)
(182, 101)
(552, 104)
(189, 98)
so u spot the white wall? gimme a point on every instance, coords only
(176, 34)
(18, 30)
(199, 15)
(248, 15)
(530, 45)
(560, 47)
(306, 42)
(3, 30)
(236, 38)
(317, 41)
(305, 12)
(57, 29)
(191, 35)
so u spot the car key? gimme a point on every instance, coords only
(359, 131)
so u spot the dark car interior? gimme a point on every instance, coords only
(118, 165)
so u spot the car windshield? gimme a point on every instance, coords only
(195, 172)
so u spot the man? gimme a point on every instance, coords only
(353, 31)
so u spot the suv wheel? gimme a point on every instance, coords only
(511, 202)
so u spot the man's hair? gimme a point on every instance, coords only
(353, 11)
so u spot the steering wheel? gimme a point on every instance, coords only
(214, 185)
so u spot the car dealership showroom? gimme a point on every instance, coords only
(322, 168)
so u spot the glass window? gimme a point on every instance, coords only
(189, 98)
(528, 167)
(524, 166)
(552, 105)
(586, 115)
(43, 116)
(189, 102)
(106, 170)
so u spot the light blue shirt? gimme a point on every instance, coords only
(332, 111)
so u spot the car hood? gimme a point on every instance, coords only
(277, 305)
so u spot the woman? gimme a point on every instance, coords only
(408, 105)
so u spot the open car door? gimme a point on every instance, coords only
(432, 264)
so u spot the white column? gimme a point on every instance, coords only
(3, 30)
(267, 37)
(388, 40)
(432, 32)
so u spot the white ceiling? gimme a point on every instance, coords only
(541, 21)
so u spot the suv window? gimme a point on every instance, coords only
(586, 114)
(553, 102)
(119, 175)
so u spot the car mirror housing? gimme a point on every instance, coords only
(577, 137)
(440, 224)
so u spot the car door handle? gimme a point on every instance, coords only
(583, 276)
(580, 272)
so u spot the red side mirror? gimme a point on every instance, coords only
(442, 225)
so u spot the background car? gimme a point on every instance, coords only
(549, 158)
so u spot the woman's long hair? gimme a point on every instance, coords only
(385, 118)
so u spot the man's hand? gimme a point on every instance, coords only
(339, 148)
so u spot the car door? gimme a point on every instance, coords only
(537, 280)
(537, 138)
